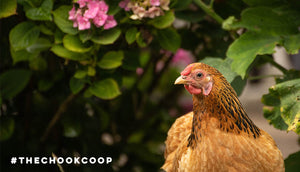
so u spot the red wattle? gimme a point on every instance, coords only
(192, 90)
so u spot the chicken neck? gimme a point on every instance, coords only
(223, 105)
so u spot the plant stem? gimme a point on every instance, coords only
(264, 76)
(274, 63)
(209, 10)
(211, 4)
(59, 166)
(62, 108)
(278, 66)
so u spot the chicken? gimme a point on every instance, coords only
(217, 135)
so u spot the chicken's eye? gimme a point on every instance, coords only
(199, 74)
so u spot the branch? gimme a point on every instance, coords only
(62, 108)
(264, 76)
(274, 63)
(209, 10)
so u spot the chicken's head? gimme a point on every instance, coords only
(197, 78)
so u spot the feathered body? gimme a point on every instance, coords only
(218, 135)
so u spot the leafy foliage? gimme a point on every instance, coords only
(291, 162)
(285, 98)
(12, 82)
(110, 92)
(7, 8)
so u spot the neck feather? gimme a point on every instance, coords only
(223, 104)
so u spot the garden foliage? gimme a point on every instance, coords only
(83, 79)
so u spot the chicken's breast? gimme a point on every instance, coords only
(179, 131)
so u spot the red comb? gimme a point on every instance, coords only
(187, 70)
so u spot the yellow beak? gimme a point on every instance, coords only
(180, 80)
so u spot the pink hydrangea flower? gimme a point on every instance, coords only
(93, 8)
(82, 3)
(154, 2)
(154, 12)
(110, 22)
(183, 57)
(139, 71)
(83, 23)
(145, 8)
(123, 4)
(139, 12)
(159, 65)
(72, 13)
(91, 11)
(100, 19)
(103, 6)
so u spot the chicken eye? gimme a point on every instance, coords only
(199, 74)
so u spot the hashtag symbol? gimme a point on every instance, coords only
(13, 160)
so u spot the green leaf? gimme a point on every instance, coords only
(13, 81)
(283, 103)
(38, 64)
(227, 24)
(244, 50)
(91, 71)
(113, 7)
(41, 44)
(131, 60)
(260, 2)
(164, 21)
(269, 20)
(61, 15)
(7, 127)
(274, 117)
(292, 43)
(85, 35)
(140, 40)
(291, 163)
(105, 89)
(111, 60)
(61, 51)
(179, 4)
(7, 8)
(76, 85)
(41, 13)
(169, 39)
(73, 43)
(80, 74)
(107, 36)
(130, 35)
(23, 35)
(87, 93)
(58, 36)
(21, 55)
(46, 30)
(45, 84)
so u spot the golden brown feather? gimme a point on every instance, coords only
(218, 135)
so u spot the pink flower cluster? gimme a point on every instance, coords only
(183, 57)
(145, 8)
(91, 11)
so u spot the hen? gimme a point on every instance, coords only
(218, 135)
